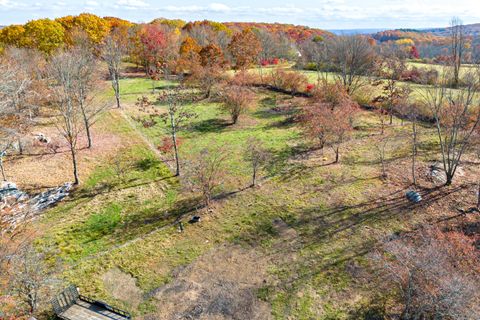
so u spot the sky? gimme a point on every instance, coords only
(325, 14)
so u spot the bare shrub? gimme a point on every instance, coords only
(434, 275)
(290, 81)
(257, 155)
(205, 173)
(236, 101)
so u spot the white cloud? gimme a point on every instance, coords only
(218, 7)
(180, 9)
(281, 10)
(131, 4)
(7, 4)
(92, 3)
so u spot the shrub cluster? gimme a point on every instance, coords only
(420, 75)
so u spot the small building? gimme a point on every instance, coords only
(70, 305)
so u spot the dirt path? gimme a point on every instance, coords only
(224, 282)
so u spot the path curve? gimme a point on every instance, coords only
(146, 140)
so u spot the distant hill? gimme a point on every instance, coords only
(355, 31)
(470, 29)
(423, 35)
(297, 33)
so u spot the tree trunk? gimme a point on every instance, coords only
(449, 179)
(174, 141)
(3, 171)
(116, 89)
(337, 154)
(254, 177)
(384, 171)
(20, 146)
(261, 72)
(208, 93)
(478, 197)
(414, 152)
(74, 162)
(87, 130)
(153, 86)
(118, 101)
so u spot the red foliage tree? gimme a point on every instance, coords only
(153, 42)
(414, 53)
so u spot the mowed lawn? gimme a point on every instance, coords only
(124, 216)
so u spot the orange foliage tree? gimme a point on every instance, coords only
(245, 49)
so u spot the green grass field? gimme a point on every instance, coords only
(122, 217)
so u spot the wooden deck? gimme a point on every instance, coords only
(83, 310)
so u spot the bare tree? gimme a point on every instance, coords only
(84, 84)
(257, 155)
(457, 47)
(315, 51)
(205, 173)
(17, 98)
(382, 149)
(31, 279)
(62, 71)
(177, 101)
(413, 117)
(267, 42)
(354, 58)
(391, 70)
(456, 119)
(114, 49)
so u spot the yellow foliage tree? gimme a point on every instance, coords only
(405, 42)
(13, 35)
(44, 35)
(95, 27)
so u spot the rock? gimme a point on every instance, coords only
(18, 206)
(42, 138)
(50, 197)
(437, 174)
(9, 193)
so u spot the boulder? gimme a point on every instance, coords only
(42, 138)
(17, 206)
(437, 174)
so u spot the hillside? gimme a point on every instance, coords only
(298, 33)
(436, 35)
(165, 170)
(470, 29)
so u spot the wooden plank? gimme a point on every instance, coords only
(82, 310)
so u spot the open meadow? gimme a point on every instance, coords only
(202, 170)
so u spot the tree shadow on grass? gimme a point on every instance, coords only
(318, 226)
(283, 165)
(111, 186)
(210, 125)
(146, 164)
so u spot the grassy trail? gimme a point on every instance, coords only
(145, 139)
